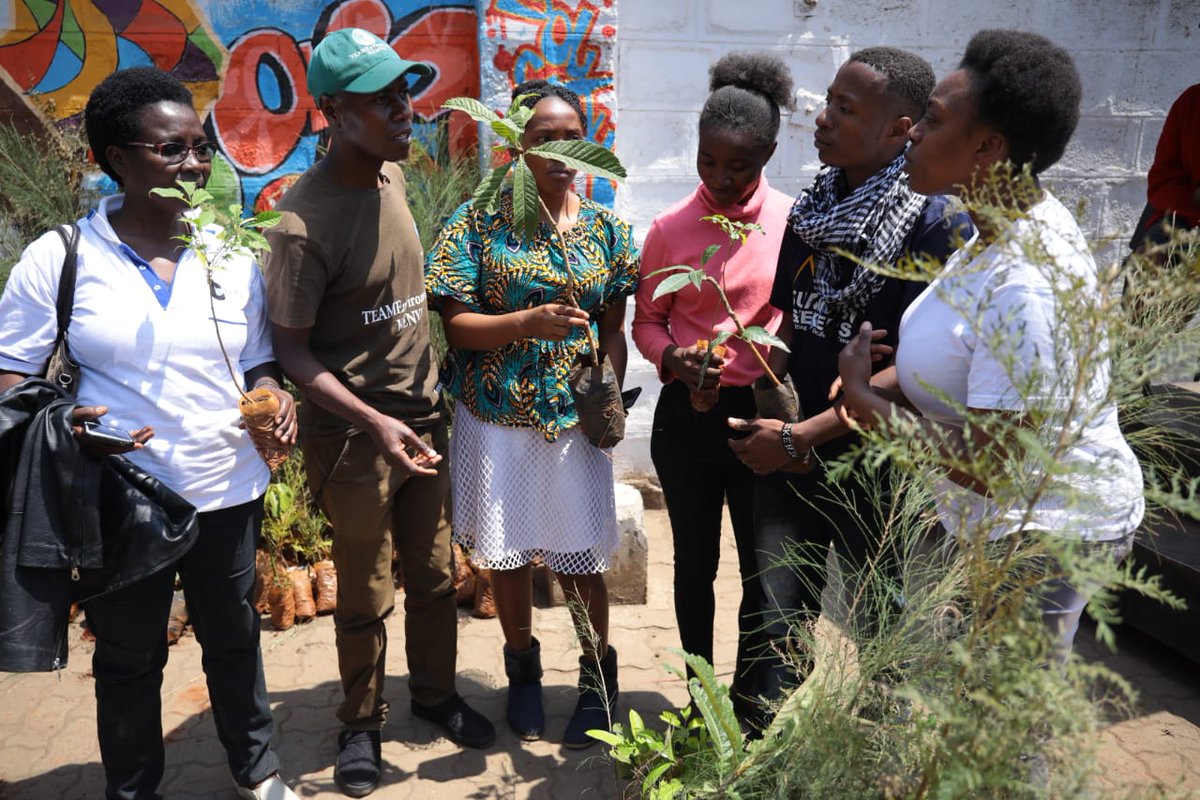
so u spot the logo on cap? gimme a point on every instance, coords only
(362, 37)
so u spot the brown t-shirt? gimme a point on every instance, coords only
(347, 263)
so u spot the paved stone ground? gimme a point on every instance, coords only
(47, 722)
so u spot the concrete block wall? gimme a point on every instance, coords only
(1134, 57)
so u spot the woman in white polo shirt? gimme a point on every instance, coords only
(142, 332)
(991, 333)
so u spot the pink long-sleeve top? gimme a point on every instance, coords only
(677, 236)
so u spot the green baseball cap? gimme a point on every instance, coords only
(358, 61)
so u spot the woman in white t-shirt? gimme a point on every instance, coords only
(142, 333)
(990, 335)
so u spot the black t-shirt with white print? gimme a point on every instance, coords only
(816, 340)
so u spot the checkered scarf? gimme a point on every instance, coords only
(872, 223)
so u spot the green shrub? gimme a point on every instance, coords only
(42, 176)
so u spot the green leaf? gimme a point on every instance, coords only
(520, 115)
(204, 218)
(709, 252)
(488, 189)
(584, 156)
(676, 268)
(172, 193)
(712, 698)
(201, 197)
(514, 108)
(472, 108)
(672, 284)
(636, 725)
(508, 131)
(608, 737)
(525, 199)
(720, 338)
(256, 241)
(265, 219)
(653, 775)
(760, 335)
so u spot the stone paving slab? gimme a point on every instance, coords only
(47, 722)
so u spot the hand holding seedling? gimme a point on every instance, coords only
(261, 408)
(687, 364)
(682, 275)
(762, 451)
(285, 425)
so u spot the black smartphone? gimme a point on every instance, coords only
(106, 435)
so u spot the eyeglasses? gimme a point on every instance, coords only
(177, 152)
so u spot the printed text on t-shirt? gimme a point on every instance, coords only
(406, 313)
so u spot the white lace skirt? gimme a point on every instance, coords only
(517, 496)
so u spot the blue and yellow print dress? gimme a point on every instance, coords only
(483, 263)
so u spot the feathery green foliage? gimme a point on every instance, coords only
(42, 178)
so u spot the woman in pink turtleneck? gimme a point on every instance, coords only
(698, 471)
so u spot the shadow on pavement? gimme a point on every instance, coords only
(305, 739)
(1165, 680)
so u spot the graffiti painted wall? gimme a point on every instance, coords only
(569, 42)
(245, 61)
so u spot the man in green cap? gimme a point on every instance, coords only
(347, 303)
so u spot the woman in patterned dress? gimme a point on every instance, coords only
(527, 483)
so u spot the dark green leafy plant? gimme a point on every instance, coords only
(528, 205)
(294, 529)
(437, 181)
(696, 752)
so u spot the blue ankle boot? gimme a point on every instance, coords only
(597, 701)
(525, 714)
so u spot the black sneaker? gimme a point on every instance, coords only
(462, 724)
(357, 770)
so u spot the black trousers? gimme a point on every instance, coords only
(699, 474)
(131, 649)
(796, 519)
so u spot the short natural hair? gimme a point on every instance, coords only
(910, 78)
(114, 109)
(747, 91)
(1028, 89)
(538, 90)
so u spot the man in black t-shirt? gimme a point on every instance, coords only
(859, 203)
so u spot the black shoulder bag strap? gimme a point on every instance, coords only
(66, 283)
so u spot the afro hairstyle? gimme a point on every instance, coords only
(114, 109)
(1027, 88)
(747, 92)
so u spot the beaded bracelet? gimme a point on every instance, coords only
(785, 433)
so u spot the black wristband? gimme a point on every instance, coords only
(785, 434)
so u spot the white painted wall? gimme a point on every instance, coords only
(1135, 57)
